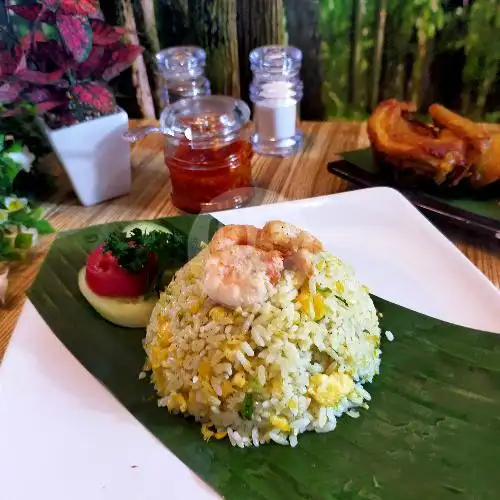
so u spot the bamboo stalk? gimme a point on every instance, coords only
(400, 79)
(491, 66)
(172, 22)
(139, 71)
(378, 49)
(213, 23)
(418, 66)
(465, 100)
(356, 32)
(303, 32)
(260, 22)
(426, 91)
(228, 10)
(151, 32)
(484, 90)
(148, 12)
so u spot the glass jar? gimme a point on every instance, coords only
(208, 153)
(183, 73)
(276, 91)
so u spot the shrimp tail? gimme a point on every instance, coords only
(234, 234)
(286, 238)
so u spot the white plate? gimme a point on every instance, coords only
(62, 435)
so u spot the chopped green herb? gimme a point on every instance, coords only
(254, 384)
(324, 290)
(130, 251)
(133, 249)
(340, 299)
(247, 406)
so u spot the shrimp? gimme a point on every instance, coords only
(234, 234)
(286, 238)
(241, 275)
(245, 262)
(300, 261)
(297, 246)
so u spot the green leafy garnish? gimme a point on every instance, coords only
(247, 406)
(133, 252)
(130, 251)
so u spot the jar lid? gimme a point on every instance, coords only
(202, 118)
(181, 60)
(276, 59)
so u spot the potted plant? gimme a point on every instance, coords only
(21, 222)
(63, 66)
(39, 182)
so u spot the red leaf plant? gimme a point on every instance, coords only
(76, 34)
(50, 4)
(28, 12)
(96, 96)
(65, 63)
(103, 34)
(10, 91)
(80, 7)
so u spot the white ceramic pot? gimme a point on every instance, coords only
(95, 157)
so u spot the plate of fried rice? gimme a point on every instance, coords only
(267, 369)
(262, 336)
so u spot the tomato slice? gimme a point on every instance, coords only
(106, 277)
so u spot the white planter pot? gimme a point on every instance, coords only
(95, 157)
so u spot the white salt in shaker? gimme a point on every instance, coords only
(276, 91)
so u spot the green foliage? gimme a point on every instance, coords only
(20, 221)
(429, 16)
(482, 43)
(493, 117)
(415, 33)
(482, 51)
(409, 27)
(35, 183)
(26, 129)
(335, 25)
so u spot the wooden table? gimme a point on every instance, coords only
(301, 176)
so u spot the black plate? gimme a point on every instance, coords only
(479, 215)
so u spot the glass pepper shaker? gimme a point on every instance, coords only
(276, 91)
(183, 72)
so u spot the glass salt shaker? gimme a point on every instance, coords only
(183, 72)
(276, 91)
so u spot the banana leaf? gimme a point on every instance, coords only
(479, 212)
(432, 429)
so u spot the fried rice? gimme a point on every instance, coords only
(268, 372)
